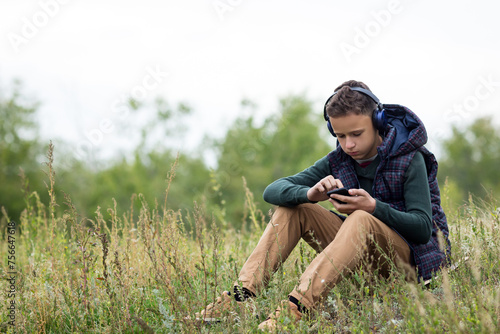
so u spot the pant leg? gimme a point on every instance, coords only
(317, 225)
(361, 237)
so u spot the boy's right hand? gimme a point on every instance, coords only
(318, 192)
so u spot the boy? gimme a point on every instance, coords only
(393, 207)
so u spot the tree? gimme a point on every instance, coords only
(19, 150)
(284, 145)
(144, 171)
(471, 159)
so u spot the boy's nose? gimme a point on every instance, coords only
(350, 143)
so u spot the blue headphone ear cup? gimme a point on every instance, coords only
(379, 120)
(329, 126)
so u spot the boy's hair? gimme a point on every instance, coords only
(347, 101)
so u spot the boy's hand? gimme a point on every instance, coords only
(318, 192)
(360, 199)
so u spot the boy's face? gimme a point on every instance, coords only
(356, 135)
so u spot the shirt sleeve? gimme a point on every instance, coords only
(292, 190)
(416, 223)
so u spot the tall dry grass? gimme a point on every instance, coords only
(128, 272)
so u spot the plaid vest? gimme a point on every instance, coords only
(388, 188)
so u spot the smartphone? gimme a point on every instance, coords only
(338, 191)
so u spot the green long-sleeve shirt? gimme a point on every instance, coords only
(414, 225)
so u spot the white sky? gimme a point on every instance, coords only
(79, 58)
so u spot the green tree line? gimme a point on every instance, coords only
(249, 157)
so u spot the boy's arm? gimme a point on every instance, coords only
(416, 223)
(292, 190)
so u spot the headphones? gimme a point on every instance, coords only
(378, 117)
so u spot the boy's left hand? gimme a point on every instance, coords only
(360, 199)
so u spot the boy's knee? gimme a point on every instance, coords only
(362, 220)
(359, 216)
(295, 215)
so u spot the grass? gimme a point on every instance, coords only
(133, 272)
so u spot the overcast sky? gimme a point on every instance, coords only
(80, 59)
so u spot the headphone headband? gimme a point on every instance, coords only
(378, 117)
(356, 89)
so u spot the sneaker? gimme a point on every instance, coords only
(224, 308)
(286, 307)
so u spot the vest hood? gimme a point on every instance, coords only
(405, 132)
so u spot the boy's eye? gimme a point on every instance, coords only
(356, 134)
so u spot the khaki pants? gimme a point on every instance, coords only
(342, 246)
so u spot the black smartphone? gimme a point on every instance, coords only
(338, 191)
